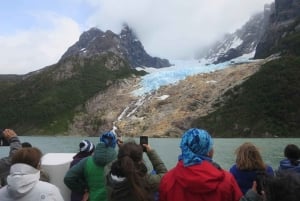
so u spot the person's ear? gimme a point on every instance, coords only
(210, 153)
(38, 166)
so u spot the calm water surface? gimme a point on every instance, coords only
(168, 148)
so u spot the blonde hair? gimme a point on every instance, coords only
(248, 157)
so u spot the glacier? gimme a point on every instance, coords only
(181, 69)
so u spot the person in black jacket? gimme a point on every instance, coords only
(5, 162)
(284, 186)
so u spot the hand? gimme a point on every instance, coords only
(119, 142)
(254, 188)
(147, 146)
(9, 133)
(254, 185)
(85, 196)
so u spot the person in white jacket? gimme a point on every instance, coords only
(23, 182)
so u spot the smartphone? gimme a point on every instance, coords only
(3, 141)
(260, 178)
(143, 140)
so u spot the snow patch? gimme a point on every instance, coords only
(211, 82)
(163, 97)
(236, 42)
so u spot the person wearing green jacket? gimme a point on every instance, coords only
(129, 179)
(88, 175)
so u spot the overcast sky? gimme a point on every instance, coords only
(35, 33)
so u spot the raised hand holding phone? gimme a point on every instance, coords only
(4, 136)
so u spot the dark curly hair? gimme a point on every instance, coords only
(292, 152)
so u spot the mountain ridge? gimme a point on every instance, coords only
(126, 45)
(243, 41)
(89, 90)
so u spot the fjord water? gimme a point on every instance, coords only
(168, 148)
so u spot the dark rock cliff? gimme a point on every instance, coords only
(126, 45)
(284, 21)
(243, 41)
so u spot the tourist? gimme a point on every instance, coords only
(292, 159)
(5, 163)
(129, 180)
(88, 176)
(23, 181)
(86, 148)
(285, 186)
(196, 177)
(26, 144)
(248, 166)
(44, 175)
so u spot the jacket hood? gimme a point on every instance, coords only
(116, 182)
(22, 179)
(200, 178)
(286, 165)
(103, 154)
(120, 187)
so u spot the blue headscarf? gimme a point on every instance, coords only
(109, 139)
(195, 145)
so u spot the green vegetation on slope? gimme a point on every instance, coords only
(7, 81)
(267, 104)
(45, 105)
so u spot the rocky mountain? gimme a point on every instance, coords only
(243, 41)
(126, 45)
(9, 80)
(257, 99)
(283, 24)
(267, 103)
(264, 34)
(165, 113)
(46, 100)
(89, 90)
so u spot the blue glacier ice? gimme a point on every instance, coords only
(179, 71)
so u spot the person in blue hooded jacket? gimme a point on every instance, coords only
(88, 175)
(292, 159)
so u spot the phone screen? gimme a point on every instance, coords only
(260, 179)
(259, 186)
(143, 140)
(3, 142)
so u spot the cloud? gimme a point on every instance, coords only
(175, 28)
(39, 46)
(169, 29)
